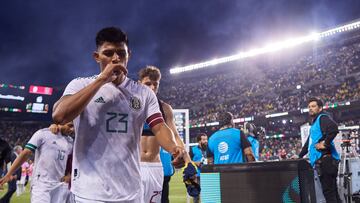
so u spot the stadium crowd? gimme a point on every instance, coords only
(19, 132)
(330, 73)
(279, 148)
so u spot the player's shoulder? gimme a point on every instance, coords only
(42, 132)
(165, 104)
(166, 107)
(139, 89)
(136, 85)
(84, 80)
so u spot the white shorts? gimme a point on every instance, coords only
(49, 192)
(76, 199)
(152, 177)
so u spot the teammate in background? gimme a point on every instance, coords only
(151, 167)
(13, 176)
(51, 153)
(322, 152)
(228, 144)
(21, 183)
(109, 111)
(252, 136)
(199, 156)
(30, 171)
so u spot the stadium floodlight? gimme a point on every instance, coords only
(277, 115)
(268, 48)
(254, 52)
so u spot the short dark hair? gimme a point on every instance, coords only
(225, 118)
(317, 100)
(112, 35)
(151, 71)
(198, 137)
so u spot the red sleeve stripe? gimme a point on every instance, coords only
(155, 119)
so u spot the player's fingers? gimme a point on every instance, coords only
(2, 181)
(120, 68)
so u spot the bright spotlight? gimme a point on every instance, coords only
(268, 48)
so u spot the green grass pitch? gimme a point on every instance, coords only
(177, 191)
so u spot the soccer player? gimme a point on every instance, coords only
(30, 171)
(228, 144)
(151, 167)
(51, 153)
(21, 183)
(109, 111)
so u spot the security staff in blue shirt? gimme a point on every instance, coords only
(228, 144)
(322, 153)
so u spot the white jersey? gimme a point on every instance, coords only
(106, 150)
(51, 154)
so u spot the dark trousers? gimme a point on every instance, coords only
(197, 199)
(327, 168)
(165, 190)
(11, 190)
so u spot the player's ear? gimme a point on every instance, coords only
(96, 56)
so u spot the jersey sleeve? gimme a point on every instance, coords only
(35, 141)
(152, 111)
(74, 86)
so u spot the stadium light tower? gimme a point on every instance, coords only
(277, 46)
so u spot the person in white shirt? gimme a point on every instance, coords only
(109, 111)
(51, 154)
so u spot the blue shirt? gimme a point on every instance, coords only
(254, 146)
(227, 146)
(198, 155)
(165, 158)
(314, 137)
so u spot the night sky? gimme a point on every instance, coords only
(48, 42)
